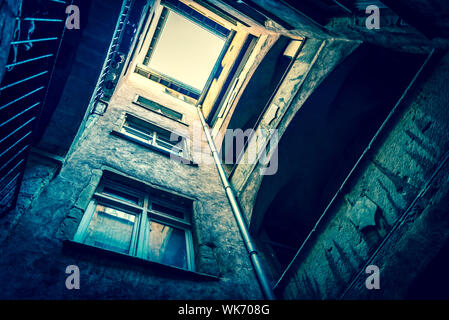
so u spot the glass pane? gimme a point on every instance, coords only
(121, 195)
(169, 138)
(148, 103)
(152, 105)
(167, 245)
(171, 113)
(165, 144)
(110, 229)
(165, 209)
(143, 136)
(168, 145)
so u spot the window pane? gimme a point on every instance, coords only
(168, 145)
(120, 195)
(165, 209)
(165, 143)
(141, 135)
(148, 103)
(167, 245)
(169, 138)
(171, 113)
(158, 108)
(110, 229)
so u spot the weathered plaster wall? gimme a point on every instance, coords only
(38, 173)
(34, 256)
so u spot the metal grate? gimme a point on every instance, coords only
(33, 51)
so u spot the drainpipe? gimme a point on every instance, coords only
(241, 223)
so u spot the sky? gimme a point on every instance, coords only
(186, 52)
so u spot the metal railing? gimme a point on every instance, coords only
(33, 51)
(112, 51)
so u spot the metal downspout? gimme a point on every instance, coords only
(241, 223)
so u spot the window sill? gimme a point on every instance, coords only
(74, 246)
(155, 148)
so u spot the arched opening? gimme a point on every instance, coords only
(257, 93)
(322, 144)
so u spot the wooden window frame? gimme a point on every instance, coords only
(144, 214)
(153, 140)
(159, 109)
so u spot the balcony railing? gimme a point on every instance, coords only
(33, 51)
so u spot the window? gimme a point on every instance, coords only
(156, 107)
(153, 225)
(154, 136)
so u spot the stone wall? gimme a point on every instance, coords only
(37, 252)
(392, 215)
(39, 171)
